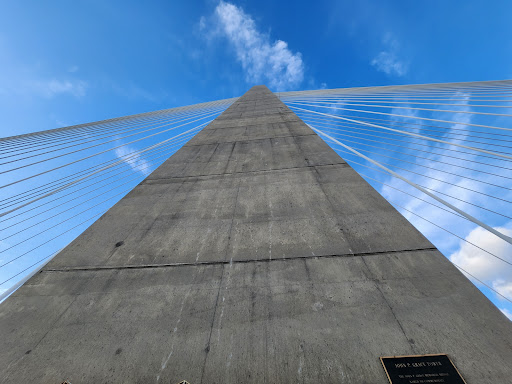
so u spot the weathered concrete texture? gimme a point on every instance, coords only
(255, 254)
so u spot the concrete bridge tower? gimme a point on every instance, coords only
(255, 254)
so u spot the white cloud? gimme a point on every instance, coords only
(135, 161)
(441, 238)
(506, 312)
(133, 91)
(25, 82)
(503, 287)
(262, 59)
(202, 23)
(388, 60)
(483, 265)
(53, 87)
(388, 63)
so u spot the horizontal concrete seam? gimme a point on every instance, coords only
(209, 128)
(292, 118)
(241, 112)
(224, 262)
(289, 119)
(345, 165)
(289, 123)
(244, 140)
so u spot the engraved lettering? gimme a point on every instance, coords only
(421, 369)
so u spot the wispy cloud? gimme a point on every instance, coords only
(53, 87)
(388, 60)
(481, 264)
(135, 161)
(431, 178)
(487, 268)
(133, 91)
(262, 59)
(507, 313)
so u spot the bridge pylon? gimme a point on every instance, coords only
(255, 254)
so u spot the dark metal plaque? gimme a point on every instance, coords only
(421, 369)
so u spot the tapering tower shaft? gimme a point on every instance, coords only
(254, 254)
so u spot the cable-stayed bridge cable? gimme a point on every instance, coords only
(442, 201)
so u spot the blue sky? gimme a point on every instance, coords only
(65, 63)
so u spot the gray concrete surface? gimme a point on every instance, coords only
(255, 254)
